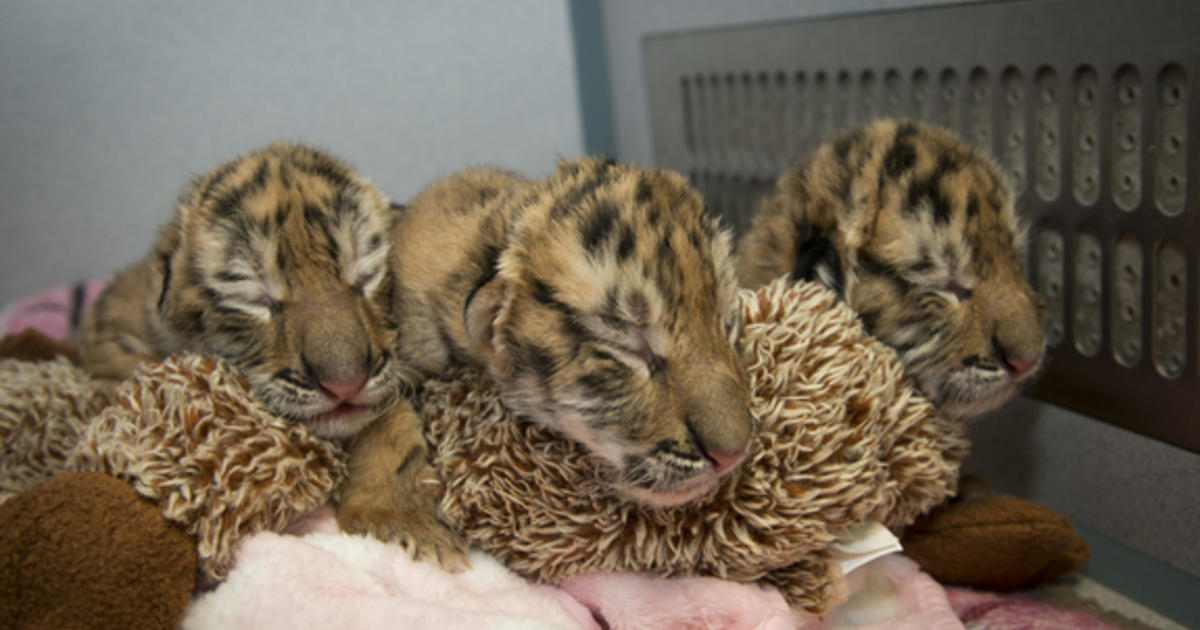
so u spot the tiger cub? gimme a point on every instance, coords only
(602, 299)
(277, 262)
(916, 230)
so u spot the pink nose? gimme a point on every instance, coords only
(343, 390)
(724, 461)
(1020, 367)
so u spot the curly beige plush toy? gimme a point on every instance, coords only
(841, 438)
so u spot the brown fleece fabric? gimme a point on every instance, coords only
(31, 345)
(83, 550)
(998, 542)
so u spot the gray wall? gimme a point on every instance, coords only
(107, 107)
(1130, 488)
(1137, 491)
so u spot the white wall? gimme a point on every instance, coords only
(107, 108)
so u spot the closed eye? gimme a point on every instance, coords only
(732, 327)
(654, 362)
(269, 303)
(642, 349)
(638, 359)
(245, 292)
(960, 292)
(363, 280)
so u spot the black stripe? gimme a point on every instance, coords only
(643, 192)
(282, 254)
(189, 323)
(318, 220)
(282, 212)
(842, 146)
(653, 215)
(815, 254)
(217, 177)
(324, 167)
(665, 253)
(228, 276)
(528, 356)
(599, 226)
(901, 156)
(873, 266)
(411, 457)
(610, 312)
(165, 261)
(601, 384)
(288, 375)
(972, 205)
(924, 265)
(570, 201)
(627, 243)
(259, 179)
(229, 204)
(77, 296)
(313, 215)
(491, 259)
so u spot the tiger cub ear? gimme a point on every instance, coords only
(165, 250)
(817, 259)
(480, 313)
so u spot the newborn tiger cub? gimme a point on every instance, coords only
(276, 262)
(601, 299)
(916, 230)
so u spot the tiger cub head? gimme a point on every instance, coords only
(610, 319)
(278, 263)
(917, 231)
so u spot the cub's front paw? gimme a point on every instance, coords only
(413, 522)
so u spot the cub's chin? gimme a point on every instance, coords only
(343, 421)
(969, 394)
(670, 497)
(668, 490)
(339, 421)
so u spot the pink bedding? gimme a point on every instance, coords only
(324, 579)
(55, 312)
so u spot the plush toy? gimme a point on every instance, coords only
(84, 550)
(842, 438)
(995, 542)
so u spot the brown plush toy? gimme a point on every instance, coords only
(995, 542)
(842, 437)
(191, 462)
(83, 550)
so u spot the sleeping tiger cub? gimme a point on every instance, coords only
(278, 262)
(917, 231)
(602, 299)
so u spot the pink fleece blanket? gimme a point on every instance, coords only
(324, 579)
(54, 312)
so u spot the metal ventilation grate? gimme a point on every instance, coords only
(1087, 104)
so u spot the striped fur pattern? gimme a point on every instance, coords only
(601, 298)
(277, 262)
(917, 231)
